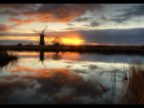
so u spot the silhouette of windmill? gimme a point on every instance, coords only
(42, 35)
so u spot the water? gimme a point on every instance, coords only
(65, 78)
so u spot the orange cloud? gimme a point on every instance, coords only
(18, 21)
(43, 73)
(58, 76)
(41, 17)
(4, 27)
(54, 13)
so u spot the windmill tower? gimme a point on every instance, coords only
(42, 35)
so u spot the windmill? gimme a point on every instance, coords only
(42, 35)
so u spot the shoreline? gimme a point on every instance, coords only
(81, 48)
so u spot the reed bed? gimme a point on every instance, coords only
(134, 90)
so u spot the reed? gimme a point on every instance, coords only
(134, 91)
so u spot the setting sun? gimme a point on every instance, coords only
(72, 41)
(70, 38)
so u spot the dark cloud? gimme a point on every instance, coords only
(114, 36)
(80, 71)
(94, 24)
(103, 17)
(92, 67)
(135, 11)
(47, 12)
(16, 9)
(85, 19)
(14, 6)
(63, 10)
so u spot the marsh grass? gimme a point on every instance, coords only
(134, 90)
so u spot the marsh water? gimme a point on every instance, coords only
(65, 78)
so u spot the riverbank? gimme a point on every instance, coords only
(82, 48)
(5, 58)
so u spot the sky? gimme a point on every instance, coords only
(109, 24)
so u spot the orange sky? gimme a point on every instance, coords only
(67, 38)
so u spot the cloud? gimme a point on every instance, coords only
(94, 24)
(85, 19)
(132, 12)
(91, 24)
(5, 28)
(18, 21)
(16, 9)
(49, 86)
(65, 10)
(107, 37)
(10, 5)
(50, 12)
(89, 20)
(113, 36)
(92, 67)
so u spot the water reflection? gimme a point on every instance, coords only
(55, 56)
(48, 86)
(41, 56)
(56, 77)
(7, 59)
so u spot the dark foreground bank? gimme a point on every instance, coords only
(82, 48)
(5, 58)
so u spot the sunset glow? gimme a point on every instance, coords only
(52, 53)
(75, 24)
(72, 41)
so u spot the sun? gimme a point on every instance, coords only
(72, 38)
(72, 41)
(66, 38)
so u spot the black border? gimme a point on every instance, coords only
(72, 1)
